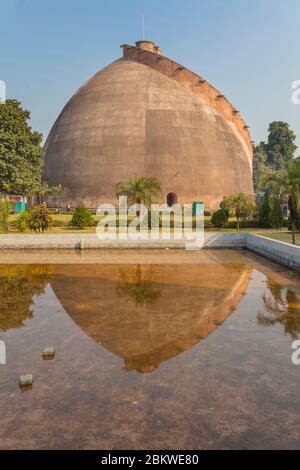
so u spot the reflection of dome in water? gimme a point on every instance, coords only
(149, 314)
(146, 115)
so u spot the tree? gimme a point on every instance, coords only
(297, 223)
(82, 218)
(140, 190)
(219, 218)
(286, 185)
(259, 165)
(275, 155)
(21, 162)
(265, 211)
(281, 145)
(270, 212)
(43, 189)
(241, 205)
(39, 219)
(276, 216)
(5, 209)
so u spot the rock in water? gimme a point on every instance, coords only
(26, 380)
(48, 353)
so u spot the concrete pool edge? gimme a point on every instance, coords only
(281, 252)
(275, 250)
(91, 241)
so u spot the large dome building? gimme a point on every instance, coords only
(146, 115)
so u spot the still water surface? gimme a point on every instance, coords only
(153, 351)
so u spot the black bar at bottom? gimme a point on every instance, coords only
(137, 459)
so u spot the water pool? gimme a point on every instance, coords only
(153, 350)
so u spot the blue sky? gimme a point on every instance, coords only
(248, 49)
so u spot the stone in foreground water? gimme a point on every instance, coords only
(26, 380)
(48, 353)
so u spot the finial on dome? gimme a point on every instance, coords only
(149, 46)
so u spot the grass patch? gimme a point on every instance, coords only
(281, 236)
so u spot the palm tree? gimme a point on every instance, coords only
(140, 190)
(241, 204)
(286, 185)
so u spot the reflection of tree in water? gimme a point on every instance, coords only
(282, 307)
(18, 285)
(138, 286)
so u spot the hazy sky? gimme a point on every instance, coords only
(248, 49)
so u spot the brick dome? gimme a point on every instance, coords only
(145, 115)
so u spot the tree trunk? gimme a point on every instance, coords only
(293, 233)
(294, 238)
(238, 224)
(293, 207)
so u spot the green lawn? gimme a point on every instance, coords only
(57, 218)
(283, 236)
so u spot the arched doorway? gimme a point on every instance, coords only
(172, 199)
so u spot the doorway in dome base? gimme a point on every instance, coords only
(172, 199)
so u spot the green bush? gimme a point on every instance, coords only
(82, 218)
(208, 225)
(219, 219)
(39, 219)
(252, 223)
(289, 223)
(95, 222)
(270, 213)
(6, 208)
(276, 216)
(265, 211)
(285, 222)
(207, 213)
(21, 221)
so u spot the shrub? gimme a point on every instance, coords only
(265, 213)
(251, 223)
(285, 222)
(270, 213)
(6, 208)
(39, 219)
(297, 225)
(219, 219)
(21, 221)
(289, 224)
(82, 218)
(207, 213)
(276, 216)
(208, 225)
